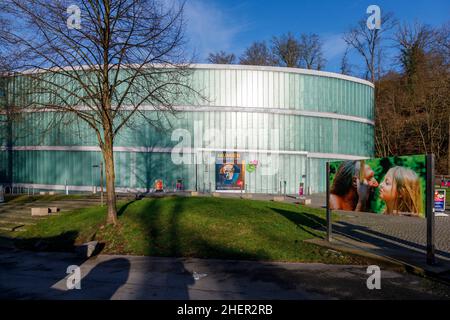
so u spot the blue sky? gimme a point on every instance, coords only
(231, 25)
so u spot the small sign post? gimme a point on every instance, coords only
(329, 230)
(439, 200)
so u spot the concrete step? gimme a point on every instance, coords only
(14, 214)
(12, 227)
(17, 221)
(17, 211)
(17, 216)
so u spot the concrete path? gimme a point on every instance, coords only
(31, 275)
(403, 232)
(16, 217)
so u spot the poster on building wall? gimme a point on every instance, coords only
(391, 186)
(230, 172)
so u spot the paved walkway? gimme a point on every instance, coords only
(408, 232)
(31, 275)
(16, 216)
(402, 239)
(393, 234)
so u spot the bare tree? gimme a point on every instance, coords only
(442, 43)
(221, 57)
(413, 105)
(286, 49)
(367, 42)
(258, 54)
(345, 64)
(123, 55)
(413, 42)
(442, 46)
(311, 53)
(8, 114)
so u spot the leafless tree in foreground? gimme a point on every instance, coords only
(221, 57)
(8, 114)
(124, 54)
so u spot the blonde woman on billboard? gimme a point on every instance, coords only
(347, 193)
(400, 190)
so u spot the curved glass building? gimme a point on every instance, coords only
(257, 129)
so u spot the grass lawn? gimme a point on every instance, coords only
(202, 227)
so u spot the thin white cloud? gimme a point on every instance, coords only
(333, 46)
(210, 29)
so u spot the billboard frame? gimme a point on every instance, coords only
(429, 210)
(431, 258)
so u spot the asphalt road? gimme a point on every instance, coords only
(41, 275)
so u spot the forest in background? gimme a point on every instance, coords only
(412, 83)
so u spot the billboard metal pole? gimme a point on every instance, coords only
(329, 230)
(431, 259)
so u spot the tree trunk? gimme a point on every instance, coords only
(9, 147)
(108, 156)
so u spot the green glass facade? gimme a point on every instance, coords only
(293, 119)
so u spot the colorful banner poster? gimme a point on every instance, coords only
(230, 171)
(392, 186)
(439, 200)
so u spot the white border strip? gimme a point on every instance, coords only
(225, 67)
(319, 155)
(305, 113)
(186, 150)
(283, 69)
(73, 188)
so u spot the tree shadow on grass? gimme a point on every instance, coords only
(124, 208)
(151, 218)
(305, 221)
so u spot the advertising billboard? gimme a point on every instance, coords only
(391, 185)
(230, 172)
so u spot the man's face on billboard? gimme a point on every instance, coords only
(369, 176)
